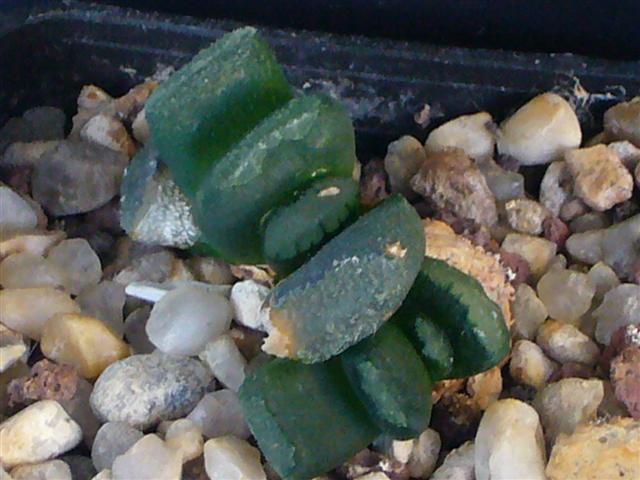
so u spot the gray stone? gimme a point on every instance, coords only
(77, 177)
(15, 211)
(219, 413)
(105, 302)
(143, 390)
(81, 466)
(135, 330)
(620, 307)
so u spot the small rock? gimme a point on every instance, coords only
(589, 221)
(373, 183)
(84, 342)
(556, 188)
(225, 361)
(45, 381)
(142, 390)
(51, 470)
(621, 306)
(573, 370)
(504, 184)
(26, 310)
(185, 437)
(260, 274)
(104, 301)
(627, 152)
(17, 370)
(452, 182)
(538, 252)
(404, 158)
(148, 459)
(565, 343)
(475, 134)
(526, 216)
(153, 267)
(40, 432)
(566, 294)
(625, 377)
(219, 413)
(112, 440)
(485, 388)
(12, 347)
(616, 246)
(509, 443)
(610, 406)
(185, 319)
(247, 299)
(106, 130)
(16, 213)
(38, 242)
(565, 404)
(459, 464)
(529, 312)
(529, 365)
(603, 278)
(135, 330)
(540, 131)
(77, 177)
(248, 341)
(622, 121)
(455, 416)
(26, 154)
(601, 180)
(211, 270)
(229, 458)
(28, 270)
(597, 451)
(424, 454)
(76, 257)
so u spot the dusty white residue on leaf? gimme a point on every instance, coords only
(396, 250)
(329, 192)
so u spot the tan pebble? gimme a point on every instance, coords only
(538, 252)
(404, 158)
(26, 310)
(597, 452)
(529, 365)
(540, 131)
(485, 388)
(84, 342)
(565, 343)
(622, 121)
(600, 178)
(27, 270)
(109, 132)
(526, 216)
(37, 242)
(475, 134)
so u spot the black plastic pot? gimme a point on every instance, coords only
(49, 49)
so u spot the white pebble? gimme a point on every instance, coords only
(219, 413)
(15, 212)
(37, 433)
(225, 361)
(76, 257)
(230, 458)
(247, 298)
(509, 444)
(458, 464)
(185, 319)
(148, 459)
(51, 470)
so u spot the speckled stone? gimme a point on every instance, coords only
(142, 390)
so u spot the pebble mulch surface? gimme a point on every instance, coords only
(120, 360)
